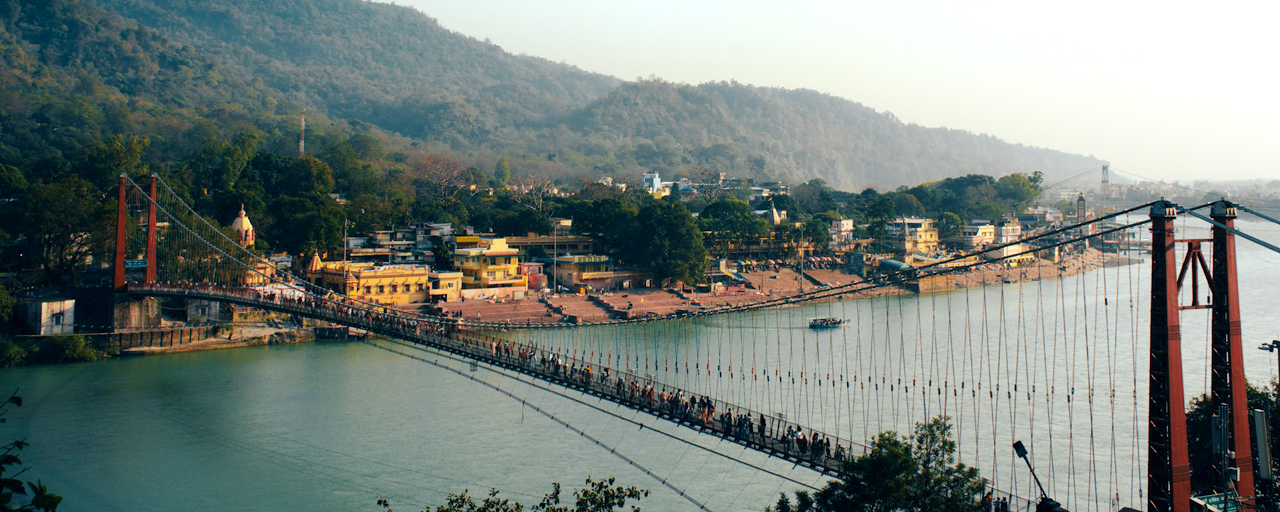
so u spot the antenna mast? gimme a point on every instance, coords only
(302, 134)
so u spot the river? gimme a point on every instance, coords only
(333, 426)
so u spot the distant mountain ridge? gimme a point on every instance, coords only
(806, 134)
(398, 69)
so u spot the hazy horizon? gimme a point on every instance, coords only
(1159, 91)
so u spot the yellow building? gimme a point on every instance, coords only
(386, 284)
(490, 272)
(913, 235)
(446, 286)
(552, 245)
(590, 269)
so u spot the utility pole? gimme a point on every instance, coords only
(1274, 346)
(302, 134)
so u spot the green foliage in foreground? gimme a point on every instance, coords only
(72, 348)
(915, 473)
(602, 496)
(1200, 411)
(14, 493)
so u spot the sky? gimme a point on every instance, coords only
(1166, 90)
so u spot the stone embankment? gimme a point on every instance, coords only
(762, 285)
(226, 336)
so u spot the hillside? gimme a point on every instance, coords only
(800, 134)
(180, 71)
(74, 76)
(381, 63)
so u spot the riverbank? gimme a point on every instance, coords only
(761, 286)
(237, 336)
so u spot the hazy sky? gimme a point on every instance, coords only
(1167, 90)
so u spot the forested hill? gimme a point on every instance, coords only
(397, 68)
(377, 62)
(73, 76)
(180, 71)
(802, 134)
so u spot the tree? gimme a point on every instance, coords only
(14, 495)
(501, 173)
(520, 223)
(610, 221)
(533, 192)
(308, 176)
(1200, 411)
(783, 203)
(949, 225)
(442, 254)
(1017, 191)
(119, 154)
(12, 183)
(916, 473)
(602, 496)
(905, 204)
(818, 233)
(940, 482)
(7, 303)
(65, 224)
(312, 224)
(220, 163)
(668, 244)
(438, 177)
(733, 218)
(814, 196)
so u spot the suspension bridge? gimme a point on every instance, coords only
(1086, 369)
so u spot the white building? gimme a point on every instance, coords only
(49, 316)
(1009, 232)
(653, 183)
(978, 234)
(842, 231)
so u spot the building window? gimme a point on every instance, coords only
(57, 318)
(419, 286)
(368, 290)
(394, 288)
(489, 274)
(381, 289)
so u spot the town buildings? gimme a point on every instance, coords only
(977, 235)
(590, 271)
(410, 244)
(913, 235)
(390, 285)
(491, 272)
(534, 244)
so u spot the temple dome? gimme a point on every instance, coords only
(243, 229)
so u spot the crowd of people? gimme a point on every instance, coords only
(748, 427)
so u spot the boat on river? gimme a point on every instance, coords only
(826, 323)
